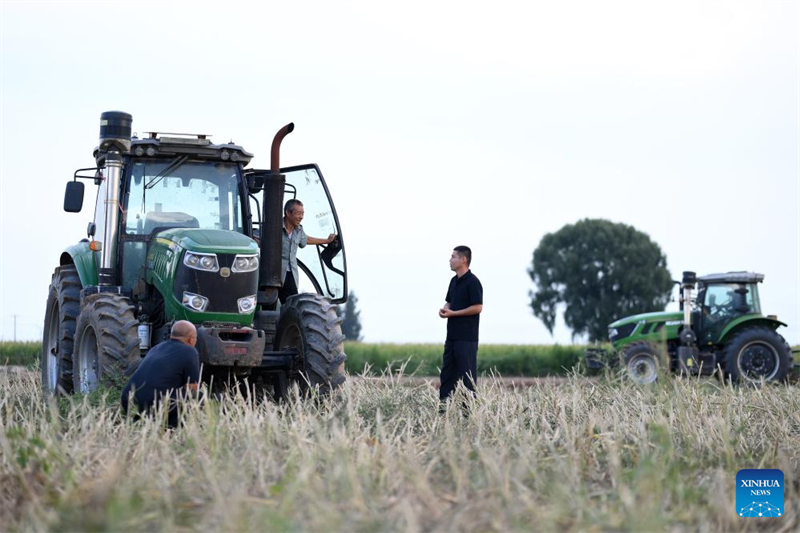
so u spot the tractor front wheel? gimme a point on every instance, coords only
(61, 312)
(308, 323)
(106, 343)
(757, 353)
(641, 362)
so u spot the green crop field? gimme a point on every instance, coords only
(425, 359)
(568, 455)
(419, 359)
(20, 353)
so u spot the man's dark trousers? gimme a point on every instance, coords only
(460, 363)
(289, 287)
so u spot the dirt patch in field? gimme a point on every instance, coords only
(508, 382)
(410, 381)
(14, 369)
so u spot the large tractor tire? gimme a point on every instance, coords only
(309, 324)
(61, 313)
(642, 362)
(757, 353)
(106, 342)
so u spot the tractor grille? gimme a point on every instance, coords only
(222, 292)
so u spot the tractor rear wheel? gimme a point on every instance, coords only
(757, 353)
(641, 361)
(308, 323)
(106, 343)
(61, 312)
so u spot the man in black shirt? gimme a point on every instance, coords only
(168, 371)
(464, 303)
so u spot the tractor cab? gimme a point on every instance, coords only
(723, 298)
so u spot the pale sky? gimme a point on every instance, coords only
(435, 124)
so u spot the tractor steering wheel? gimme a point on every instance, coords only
(725, 309)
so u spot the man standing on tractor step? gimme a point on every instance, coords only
(168, 372)
(293, 238)
(464, 303)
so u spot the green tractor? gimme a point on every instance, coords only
(183, 230)
(721, 329)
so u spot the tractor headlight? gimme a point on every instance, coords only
(245, 263)
(195, 302)
(247, 304)
(198, 261)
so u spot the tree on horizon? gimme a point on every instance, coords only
(351, 325)
(598, 271)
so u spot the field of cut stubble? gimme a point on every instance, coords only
(574, 455)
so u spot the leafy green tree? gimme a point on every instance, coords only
(600, 271)
(351, 325)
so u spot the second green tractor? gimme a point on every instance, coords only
(720, 329)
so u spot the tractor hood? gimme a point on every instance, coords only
(647, 317)
(645, 326)
(208, 241)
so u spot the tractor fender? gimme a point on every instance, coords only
(85, 261)
(746, 321)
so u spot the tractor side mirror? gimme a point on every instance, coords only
(73, 198)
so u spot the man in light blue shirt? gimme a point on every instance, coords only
(294, 237)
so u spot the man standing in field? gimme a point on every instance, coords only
(167, 373)
(464, 303)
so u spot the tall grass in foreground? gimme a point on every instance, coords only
(579, 455)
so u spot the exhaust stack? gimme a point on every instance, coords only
(270, 276)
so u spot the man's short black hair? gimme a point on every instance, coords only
(289, 207)
(464, 252)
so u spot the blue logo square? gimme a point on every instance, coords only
(759, 493)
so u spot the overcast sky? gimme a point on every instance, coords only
(435, 124)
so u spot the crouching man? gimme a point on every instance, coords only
(168, 372)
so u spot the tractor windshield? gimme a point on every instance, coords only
(189, 195)
(729, 300)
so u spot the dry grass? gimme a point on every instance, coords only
(572, 455)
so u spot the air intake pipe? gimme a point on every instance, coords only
(687, 351)
(115, 140)
(115, 131)
(688, 283)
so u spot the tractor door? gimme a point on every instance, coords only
(325, 265)
(724, 302)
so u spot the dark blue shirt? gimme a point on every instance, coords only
(464, 292)
(169, 365)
